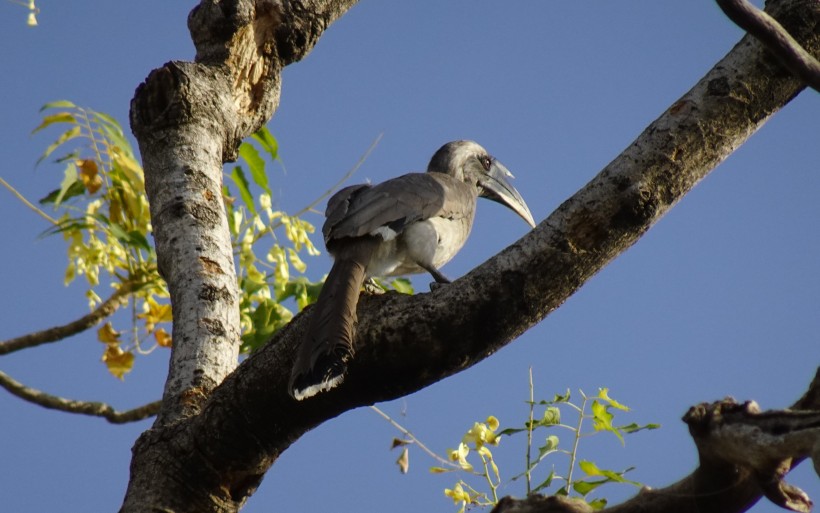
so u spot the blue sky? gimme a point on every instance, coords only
(719, 298)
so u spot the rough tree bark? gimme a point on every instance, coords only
(222, 427)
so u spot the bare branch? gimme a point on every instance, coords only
(344, 178)
(762, 443)
(57, 333)
(415, 440)
(769, 32)
(95, 409)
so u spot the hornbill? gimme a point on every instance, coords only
(410, 224)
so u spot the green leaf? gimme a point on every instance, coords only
(69, 134)
(256, 165)
(552, 416)
(546, 483)
(75, 189)
(267, 319)
(69, 179)
(59, 104)
(402, 285)
(251, 286)
(561, 398)
(584, 487)
(618, 477)
(105, 120)
(238, 177)
(601, 417)
(118, 232)
(511, 431)
(65, 225)
(589, 468)
(603, 394)
(60, 117)
(549, 447)
(132, 238)
(300, 285)
(634, 428)
(138, 239)
(113, 131)
(268, 142)
(68, 156)
(597, 504)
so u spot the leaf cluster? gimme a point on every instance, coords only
(101, 211)
(102, 214)
(598, 410)
(271, 269)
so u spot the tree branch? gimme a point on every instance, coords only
(744, 453)
(105, 309)
(768, 31)
(95, 409)
(405, 343)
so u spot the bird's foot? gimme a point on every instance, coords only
(435, 285)
(371, 287)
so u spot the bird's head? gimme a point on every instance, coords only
(469, 162)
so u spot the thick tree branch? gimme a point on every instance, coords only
(776, 38)
(95, 409)
(57, 333)
(213, 461)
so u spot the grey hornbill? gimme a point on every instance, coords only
(410, 224)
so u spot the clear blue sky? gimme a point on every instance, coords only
(719, 298)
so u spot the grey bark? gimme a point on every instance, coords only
(215, 439)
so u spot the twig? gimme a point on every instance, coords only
(775, 38)
(529, 437)
(108, 307)
(96, 409)
(415, 440)
(344, 178)
(574, 454)
(27, 203)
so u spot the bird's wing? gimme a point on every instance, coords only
(362, 209)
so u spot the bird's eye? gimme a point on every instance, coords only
(486, 161)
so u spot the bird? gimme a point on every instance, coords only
(410, 224)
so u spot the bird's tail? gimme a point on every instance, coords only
(328, 344)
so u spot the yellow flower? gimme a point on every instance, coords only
(460, 456)
(482, 433)
(154, 313)
(108, 335)
(457, 494)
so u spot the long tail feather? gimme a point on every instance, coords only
(328, 345)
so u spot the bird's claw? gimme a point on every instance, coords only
(371, 287)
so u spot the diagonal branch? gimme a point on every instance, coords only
(96, 409)
(777, 39)
(57, 333)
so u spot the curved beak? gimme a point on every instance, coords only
(496, 186)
